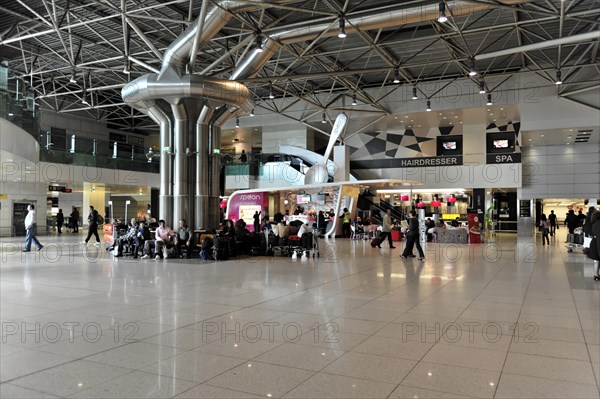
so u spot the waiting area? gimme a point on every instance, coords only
(504, 319)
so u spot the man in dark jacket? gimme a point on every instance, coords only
(60, 220)
(93, 226)
(571, 221)
(553, 224)
(143, 234)
(74, 220)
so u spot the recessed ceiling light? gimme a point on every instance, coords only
(418, 125)
(395, 117)
(568, 143)
(491, 114)
(569, 136)
(406, 116)
(440, 114)
(450, 123)
(489, 109)
(570, 130)
(501, 109)
(542, 135)
(461, 122)
(529, 139)
(456, 117)
(444, 117)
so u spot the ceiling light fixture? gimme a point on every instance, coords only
(473, 69)
(396, 76)
(558, 80)
(414, 96)
(271, 95)
(237, 122)
(324, 120)
(442, 18)
(73, 76)
(354, 100)
(428, 106)
(258, 48)
(482, 87)
(489, 99)
(84, 98)
(342, 32)
(126, 65)
(252, 112)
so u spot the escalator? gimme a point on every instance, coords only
(366, 203)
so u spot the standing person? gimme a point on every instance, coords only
(571, 221)
(412, 238)
(346, 219)
(74, 219)
(545, 227)
(31, 228)
(243, 157)
(594, 250)
(92, 226)
(256, 222)
(552, 221)
(387, 229)
(60, 220)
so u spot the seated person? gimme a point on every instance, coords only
(143, 235)
(162, 237)
(360, 227)
(128, 237)
(184, 237)
(455, 223)
(429, 224)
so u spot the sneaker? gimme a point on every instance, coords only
(83, 242)
(96, 244)
(26, 250)
(40, 248)
(146, 257)
(157, 257)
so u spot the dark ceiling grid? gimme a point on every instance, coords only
(511, 26)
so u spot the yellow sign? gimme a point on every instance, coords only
(3, 196)
(450, 216)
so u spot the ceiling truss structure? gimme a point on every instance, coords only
(49, 42)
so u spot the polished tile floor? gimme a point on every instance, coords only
(505, 319)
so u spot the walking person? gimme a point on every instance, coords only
(93, 226)
(387, 229)
(74, 219)
(552, 221)
(412, 238)
(60, 220)
(31, 229)
(243, 157)
(545, 228)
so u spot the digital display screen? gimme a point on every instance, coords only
(449, 145)
(319, 199)
(302, 199)
(500, 143)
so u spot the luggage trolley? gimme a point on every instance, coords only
(575, 240)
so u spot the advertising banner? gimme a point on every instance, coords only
(475, 228)
(245, 205)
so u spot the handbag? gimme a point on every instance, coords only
(587, 241)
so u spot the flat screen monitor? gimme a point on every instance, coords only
(449, 145)
(500, 144)
(302, 199)
(319, 199)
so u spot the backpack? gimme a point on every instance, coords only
(99, 219)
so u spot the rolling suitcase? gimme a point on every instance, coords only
(376, 241)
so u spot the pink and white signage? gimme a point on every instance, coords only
(243, 205)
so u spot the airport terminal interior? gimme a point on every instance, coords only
(297, 151)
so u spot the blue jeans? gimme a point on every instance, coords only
(30, 236)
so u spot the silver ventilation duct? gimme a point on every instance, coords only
(165, 209)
